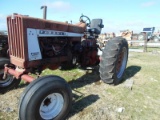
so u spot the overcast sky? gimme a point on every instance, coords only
(116, 14)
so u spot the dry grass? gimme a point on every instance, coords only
(94, 100)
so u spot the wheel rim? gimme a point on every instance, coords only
(51, 106)
(5, 82)
(122, 60)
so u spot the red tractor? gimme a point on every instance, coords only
(36, 44)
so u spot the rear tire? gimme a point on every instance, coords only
(48, 97)
(10, 82)
(114, 60)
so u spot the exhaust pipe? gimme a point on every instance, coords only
(44, 11)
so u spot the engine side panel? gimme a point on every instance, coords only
(33, 45)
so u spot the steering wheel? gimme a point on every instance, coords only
(85, 19)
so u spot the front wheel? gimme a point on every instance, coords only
(9, 82)
(46, 98)
(114, 60)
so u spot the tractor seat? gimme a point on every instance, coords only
(95, 26)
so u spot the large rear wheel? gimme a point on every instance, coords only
(114, 60)
(46, 98)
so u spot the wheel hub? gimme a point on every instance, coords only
(51, 106)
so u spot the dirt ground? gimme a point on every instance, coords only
(95, 100)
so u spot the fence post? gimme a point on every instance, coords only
(145, 42)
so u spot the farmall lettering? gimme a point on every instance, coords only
(50, 32)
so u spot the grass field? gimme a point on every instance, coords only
(95, 100)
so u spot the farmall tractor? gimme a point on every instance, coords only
(36, 44)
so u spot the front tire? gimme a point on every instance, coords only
(46, 98)
(114, 60)
(9, 82)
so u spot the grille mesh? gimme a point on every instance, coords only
(15, 37)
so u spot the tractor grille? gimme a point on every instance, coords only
(16, 37)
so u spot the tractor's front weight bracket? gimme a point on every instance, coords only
(18, 73)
